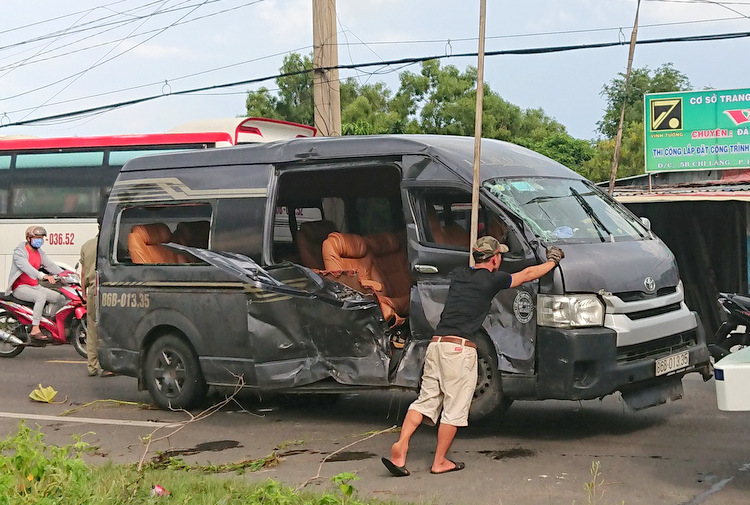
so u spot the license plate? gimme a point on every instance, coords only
(672, 362)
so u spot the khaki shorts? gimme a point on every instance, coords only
(448, 382)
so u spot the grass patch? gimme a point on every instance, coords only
(35, 473)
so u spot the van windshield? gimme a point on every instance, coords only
(566, 210)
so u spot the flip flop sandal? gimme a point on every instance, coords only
(396, 471)
(459, 465)
(39, 337)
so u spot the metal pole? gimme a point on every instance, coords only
(478, 128)
(618, 139)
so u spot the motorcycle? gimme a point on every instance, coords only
(66, 326)
(734, 333)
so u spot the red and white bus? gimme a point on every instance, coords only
(61, 183)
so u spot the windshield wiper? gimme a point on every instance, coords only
(592, 215)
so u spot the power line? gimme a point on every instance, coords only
(537, 50)
(85, 26)
(117, 41)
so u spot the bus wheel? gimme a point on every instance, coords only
(173, 374)
(9, 325)
(489, 402)
(79, 334)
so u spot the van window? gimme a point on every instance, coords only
(447, 220)
(374, 215)
(361, 199)
(239, 226)
(143, 230)
(566, 210)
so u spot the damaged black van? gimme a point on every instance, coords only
(321, 265)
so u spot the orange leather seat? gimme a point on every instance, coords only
(345, 251)
(392, 264)
(450, 234)
(144, 244)
(310, 239)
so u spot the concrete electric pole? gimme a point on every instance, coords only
(327, 102)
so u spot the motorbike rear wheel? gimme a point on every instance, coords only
(9, 324)
(79, 334)
(733, 343)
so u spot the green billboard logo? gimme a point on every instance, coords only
(666, 114)
(697, 130)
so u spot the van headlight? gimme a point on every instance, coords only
(569, 311)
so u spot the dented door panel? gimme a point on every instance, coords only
(302, 328)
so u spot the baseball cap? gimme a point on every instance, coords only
(486, 247)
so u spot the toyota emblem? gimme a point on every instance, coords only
(650, 284)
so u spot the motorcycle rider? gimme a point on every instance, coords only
(25, 275)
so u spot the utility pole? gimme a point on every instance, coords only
(478, 129)
(618, 137)
(327, 102)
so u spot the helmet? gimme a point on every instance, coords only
(36, 231)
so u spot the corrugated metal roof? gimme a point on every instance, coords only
(717, 186)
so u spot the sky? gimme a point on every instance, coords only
(61, 57)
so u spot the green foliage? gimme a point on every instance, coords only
(442, 100)
(32, 472)
(342, 480)
(642, 81)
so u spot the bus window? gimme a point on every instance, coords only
(4, 162)
(119, 158)
(45, 201)
(60, 160)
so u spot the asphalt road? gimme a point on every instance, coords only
(683, 453)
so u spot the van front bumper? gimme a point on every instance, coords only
(583, 364)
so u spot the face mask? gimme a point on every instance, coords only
(36, 243)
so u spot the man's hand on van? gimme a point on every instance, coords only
(555, 254)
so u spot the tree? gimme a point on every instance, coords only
(642, 81)
(665, 78)
(295, 97)
(438, 100)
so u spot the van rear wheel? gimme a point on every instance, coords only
(489, 402)
(173, 374)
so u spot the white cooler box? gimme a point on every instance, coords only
(732, 374)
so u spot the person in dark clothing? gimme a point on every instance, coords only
(450, 369)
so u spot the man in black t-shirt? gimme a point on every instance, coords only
(450, 369)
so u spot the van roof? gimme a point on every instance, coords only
(499, 159)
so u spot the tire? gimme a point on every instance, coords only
(9, 324)
(79, 334)
(173, 374)
(489, 402)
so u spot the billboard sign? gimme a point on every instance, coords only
(697, 130)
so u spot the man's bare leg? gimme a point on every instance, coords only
(398, 450)
(446, 434)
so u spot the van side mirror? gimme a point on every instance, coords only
(646, 222)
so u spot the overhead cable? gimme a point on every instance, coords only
(506, 52)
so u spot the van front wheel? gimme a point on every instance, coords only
(173, 374)
(489, 401)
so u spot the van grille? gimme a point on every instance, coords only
(642, 314)
(654, 348)
(634, 296)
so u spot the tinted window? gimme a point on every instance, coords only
(239, 226)
(142, 230)
(60, 201)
